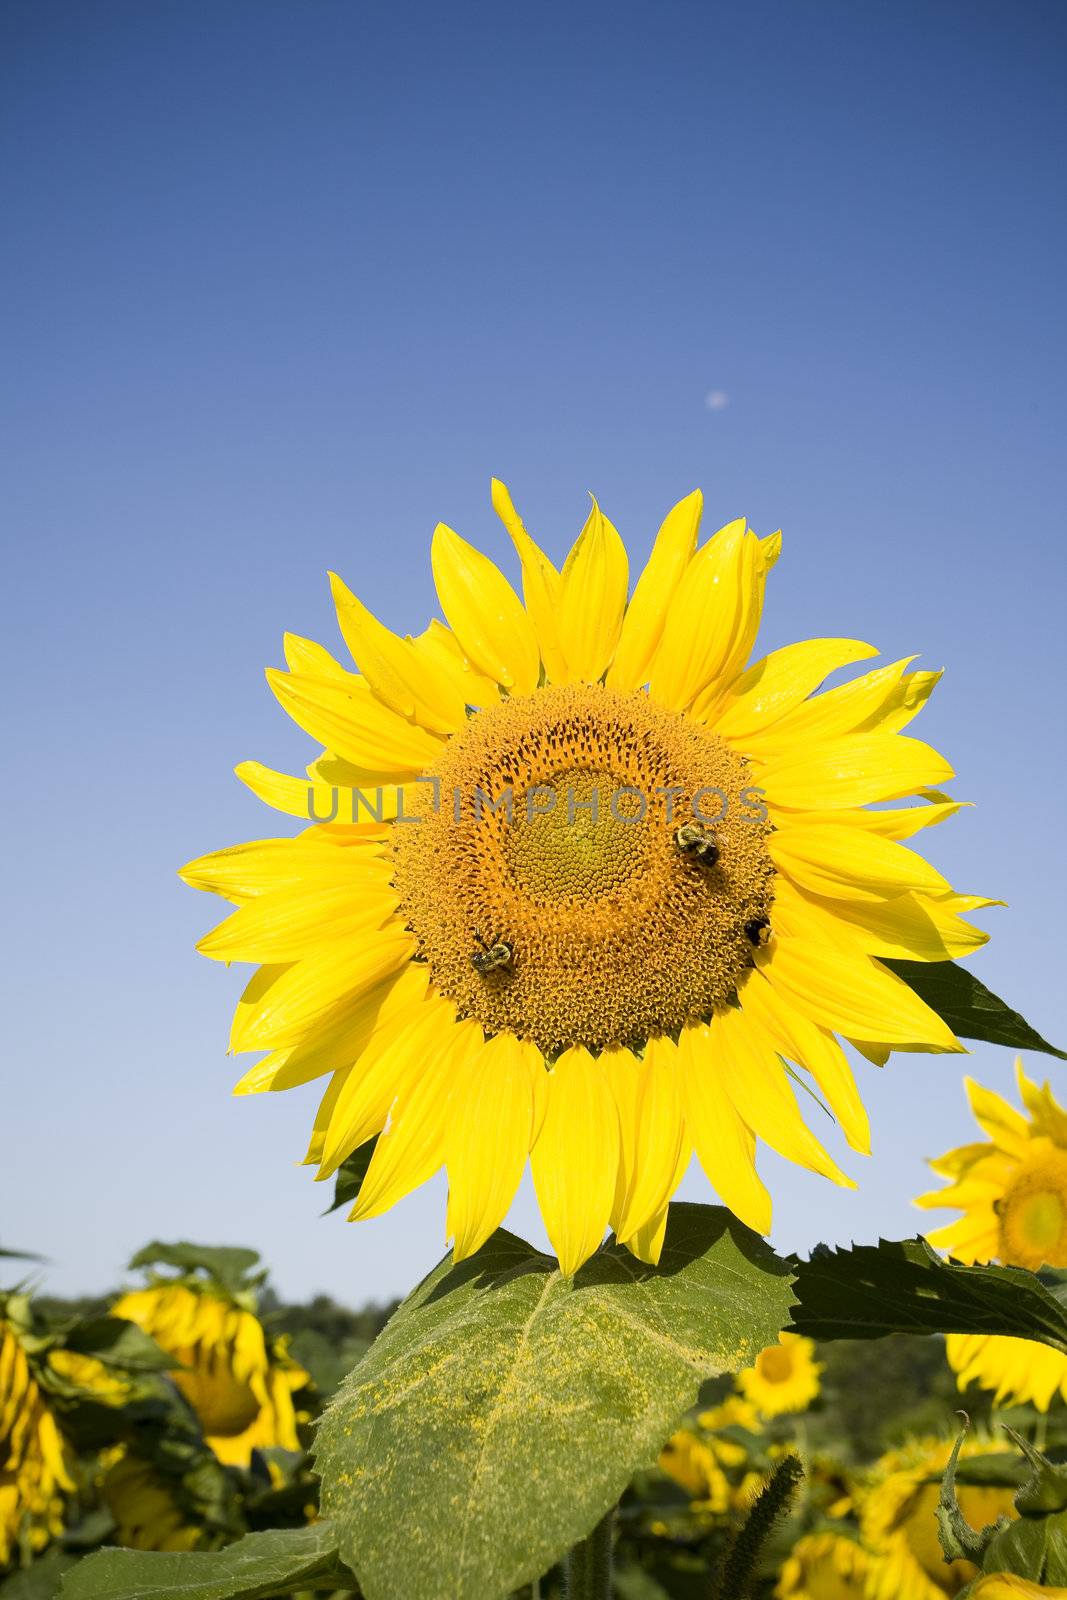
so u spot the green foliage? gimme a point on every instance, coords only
(256, 1567)
(905, 1287)
(117, 1343)
(232, 1266)
(773, 1501)
(971, 1010)
(874, 1405)
(350, 1175)
(501, 1385)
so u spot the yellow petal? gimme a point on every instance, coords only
(576, 1157)
(848, 863)
(816, 969)
(854, 771)
(386, 1070)
(484, 613)
(540, 586)
(655, 1150)
(846, 709)
(350, 719)
(412, 1146)
(814, 1048)
(997, 1119)
(438, 650)
(913, 927)
(294, 923)
(592, 598)
(262, 866)
(488, 1137)
(755, 1080)
(710, 618)
(311, 801)
(281, 1003)
(304, 655)
(782, 680)
(725, 1145)
(892, 824)
(392, 668)
(340, 1042)
(643, 623)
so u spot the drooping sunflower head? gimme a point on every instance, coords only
(145, 1506)
(34, 1461)
(899, 1524)
(238, 1381)
(579, 881)
(824, 1566)
(784, 1377)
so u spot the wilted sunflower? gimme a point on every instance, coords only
(146, 1512)
(239, 1383)
(785, 1376)
(641, 874)
(34, 1469)
(824, 1566)
(899, 1524)
(1012, 1190)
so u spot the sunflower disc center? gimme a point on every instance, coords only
(555, 835)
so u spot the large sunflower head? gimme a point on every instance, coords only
(899, 1523)
(238, 1380)
(824, 1566)
(783, 1378)
(1011, 1188)
(579, 881)
(34, 1461)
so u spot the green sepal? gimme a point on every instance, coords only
(970, 1009)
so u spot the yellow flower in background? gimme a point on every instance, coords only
(899, 1525)
(147, 1515)
(694, 1467)
(609, 972)
(34, 1465)
(240, 1387)
(785, 1377)
(824, 1566)
(1012, 1190)
(105, 1386)
(733, 1412)
(1006, 1586)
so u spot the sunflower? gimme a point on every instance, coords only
(693, 1465)
(147, 1515)
(34, 1464)
(784, 1377)
(1007, 1586)
(824, 1566)
(1012, 1190)
(640, 876)
(239, 1383)
(899, 1525)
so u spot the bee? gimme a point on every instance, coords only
(758, 932)
(495, 955)
(697, 840)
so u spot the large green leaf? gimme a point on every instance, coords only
(232, 1265)
(905, 1287)
(971, 1010)
(504, 1408)
(256, 1567)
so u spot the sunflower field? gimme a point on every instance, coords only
(579, 879)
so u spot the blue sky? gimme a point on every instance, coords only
(284, 284)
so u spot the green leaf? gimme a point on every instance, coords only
(256, 1567)
(232, 1265)
(905, 1287)
(118, 1343)
(40, 1580)
(971, 1010)
(505, 1408)
(350, 1176)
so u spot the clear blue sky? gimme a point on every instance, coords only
(286, 281)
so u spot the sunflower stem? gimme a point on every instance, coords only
(589, 1563)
